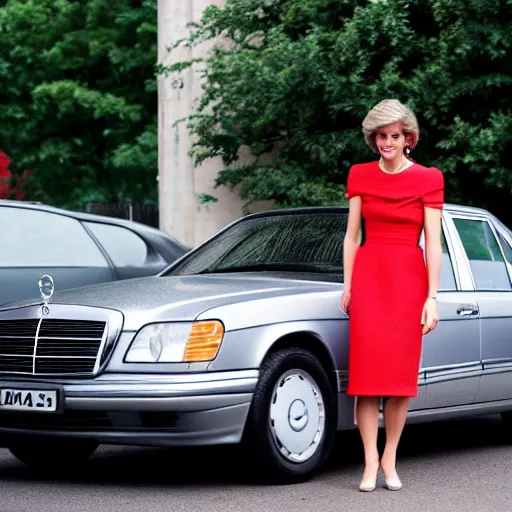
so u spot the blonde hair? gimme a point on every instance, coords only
(388, 112)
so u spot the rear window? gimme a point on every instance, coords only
(298, 242)
(125, 248)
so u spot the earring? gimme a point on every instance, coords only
(407, 150)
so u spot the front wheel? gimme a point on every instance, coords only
(47, 453)
(292, 422)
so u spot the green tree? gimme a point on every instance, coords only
(78, 100)
(295, 78)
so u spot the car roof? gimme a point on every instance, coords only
(466, 209)
(142, 229)
(343, 209)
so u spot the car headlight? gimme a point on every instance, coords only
(176, 342)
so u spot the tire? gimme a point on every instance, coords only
(292, 421)
(47, 453)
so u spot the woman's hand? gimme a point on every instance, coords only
(429, 316)
(345, 301)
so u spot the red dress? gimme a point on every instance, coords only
(389, 280)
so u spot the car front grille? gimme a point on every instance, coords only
(50, 346)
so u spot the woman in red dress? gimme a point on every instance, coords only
(390, 286)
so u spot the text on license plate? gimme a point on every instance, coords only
(28, 400)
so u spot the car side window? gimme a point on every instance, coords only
(507, 249)
(125, 248)
(447, 280)
(33, 238)
(484, 254)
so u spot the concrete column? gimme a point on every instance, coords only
(176, 174)
(180, 185)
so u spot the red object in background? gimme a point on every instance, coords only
(6, 191)
(5, 175)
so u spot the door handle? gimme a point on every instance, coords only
(467, 310)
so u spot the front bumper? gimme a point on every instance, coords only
(145, 410)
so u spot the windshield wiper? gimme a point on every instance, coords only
(285, 267)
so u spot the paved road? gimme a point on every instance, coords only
(453, 466)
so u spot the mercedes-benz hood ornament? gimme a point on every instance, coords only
(46, 289)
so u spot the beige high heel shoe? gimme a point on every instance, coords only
(370, 485)
(394, 484)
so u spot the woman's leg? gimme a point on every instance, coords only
(367, 415)
(395, 414)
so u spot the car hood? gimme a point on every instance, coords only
(179, 297)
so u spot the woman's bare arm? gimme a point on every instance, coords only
(351, 241)
(433, 250)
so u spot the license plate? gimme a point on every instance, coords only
(28, 400)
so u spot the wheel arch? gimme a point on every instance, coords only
(312, 343)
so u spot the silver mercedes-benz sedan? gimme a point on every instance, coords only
(242, 340)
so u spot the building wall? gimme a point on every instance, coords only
(180, 184)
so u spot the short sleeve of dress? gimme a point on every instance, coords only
(353, 183)
(433, 196)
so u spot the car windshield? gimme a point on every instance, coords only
(287, 242)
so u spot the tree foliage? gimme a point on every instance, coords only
(295, 78)
(78, 99)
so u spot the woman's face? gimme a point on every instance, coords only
(391, 141)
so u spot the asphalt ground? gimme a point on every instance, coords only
(463, 465)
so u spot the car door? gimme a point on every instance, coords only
(451, 360)
(37, 242)
(489, 254)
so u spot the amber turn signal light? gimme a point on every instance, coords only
(204, 341)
